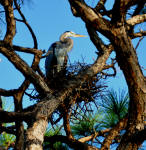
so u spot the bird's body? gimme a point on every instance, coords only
(58, 53)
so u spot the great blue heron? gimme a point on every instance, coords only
(57, 54)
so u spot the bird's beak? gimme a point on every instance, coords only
(78, 35)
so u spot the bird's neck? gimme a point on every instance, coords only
(67, 41)
(63, 38)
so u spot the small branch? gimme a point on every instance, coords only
(139, 42)
(99, 44)
(40, 72)
(28, 72)
(138, 34)
(112, 66)
(9, 130)
(27, 50)
(26, 23)
(100, 5)
(4, 92)
(7, 117)
(89, 138)
(139, 7)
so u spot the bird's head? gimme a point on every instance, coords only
(72, 34)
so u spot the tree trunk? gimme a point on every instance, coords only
(35, 135)
(128, 62)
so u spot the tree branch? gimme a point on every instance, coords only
(90, 17)
(138, 34)
(9, 130)
(10, 33)
(89, 138)
(4, 92)
(100, 5)
(6, 117)
(136, 20)
(28, 26)
(99, 44)
(71, 143)
(113, 133)
(28, 72)
(66, 122)
(139, 7)
(28, 50)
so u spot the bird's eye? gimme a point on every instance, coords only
(72, 33)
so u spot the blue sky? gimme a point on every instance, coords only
(49, 19)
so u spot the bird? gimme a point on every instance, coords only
(57, 55)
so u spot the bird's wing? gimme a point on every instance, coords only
(49, 59)
(60, 49)
(57, 58)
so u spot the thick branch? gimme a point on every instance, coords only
(71, 143)
(25, 69)
(9, 130)
(90, 17)
(120, 8)
(113, 133)
(139, 7)
(6, 117)
(128, 62)
(136, 20)
(4, 92)
(91, 137)
(10, 33)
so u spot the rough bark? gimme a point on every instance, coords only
(128, 61)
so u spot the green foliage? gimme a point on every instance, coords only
(6, 139)
(87, 124)
(57, 145)
(115, 107)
